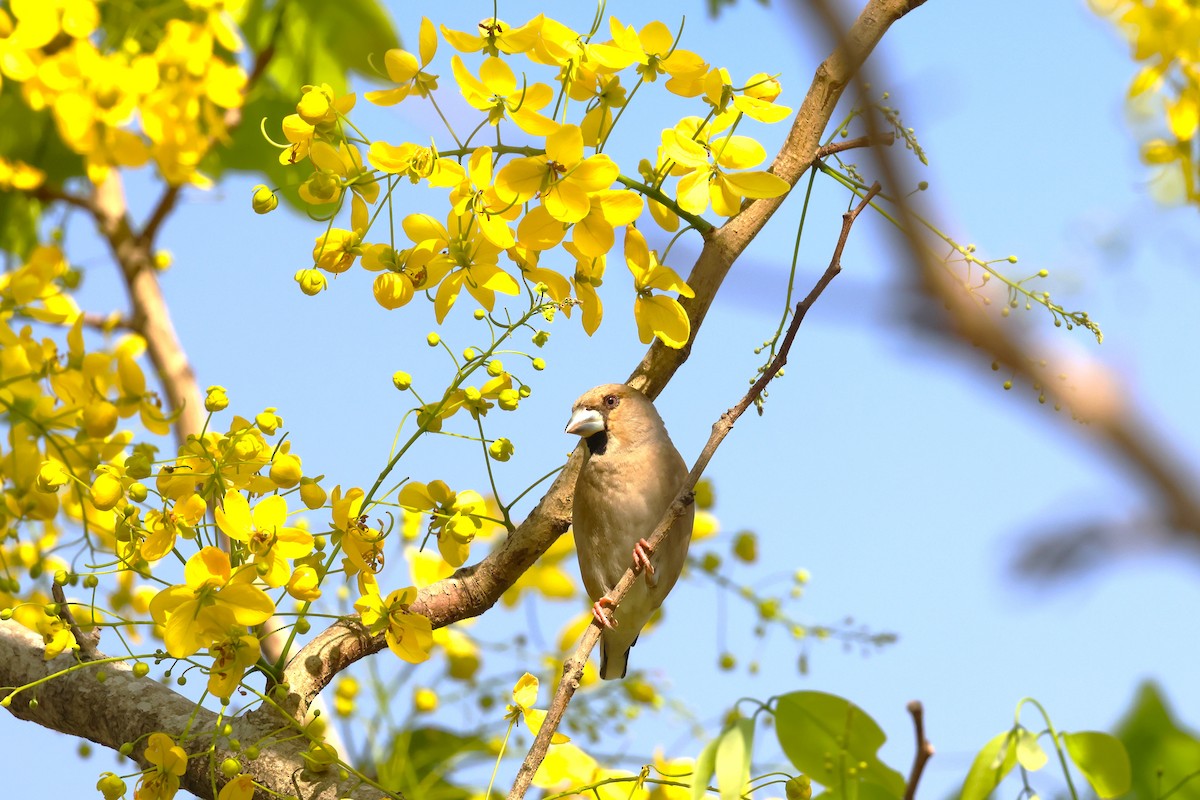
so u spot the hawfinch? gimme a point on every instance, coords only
(631, 472)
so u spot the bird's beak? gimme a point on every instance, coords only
(585, 422)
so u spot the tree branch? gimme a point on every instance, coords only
(473, 590)
(573, 668)
(924, 750)
(125, 708)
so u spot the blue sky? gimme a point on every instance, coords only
(897, 472)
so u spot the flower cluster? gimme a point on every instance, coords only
(514, 209)
(121, 106)
(1163, 36)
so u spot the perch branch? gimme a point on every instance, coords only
(573, 668)
(923, 752)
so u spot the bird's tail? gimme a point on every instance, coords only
(614, 658)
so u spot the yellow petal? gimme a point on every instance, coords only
(661, 317)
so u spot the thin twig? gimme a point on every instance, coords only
(87, 642)
(573, 668)
(924, 749)
(849, 144)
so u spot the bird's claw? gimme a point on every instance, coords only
(641, 562)
(602, 619)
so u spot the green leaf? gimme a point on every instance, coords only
(991, 765)
(1102, 760)
(1167, 755)
(734, 750)
(705, 764)
(819, 731)
(1030, 754)
(420, 762)
(319, 42)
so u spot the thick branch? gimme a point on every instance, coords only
(573, 668)
(124, 708)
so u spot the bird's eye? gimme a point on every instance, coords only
(611, 400)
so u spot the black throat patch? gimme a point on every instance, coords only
(597, 442)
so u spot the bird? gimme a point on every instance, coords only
(631, 473)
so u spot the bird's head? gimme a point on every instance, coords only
(613, 411)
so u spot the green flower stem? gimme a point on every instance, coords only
(503, 746)
(697, 222)
(7, 700)
(534, 485)
(1059, 313)
(446, 122)
(487, 462)
(1062, 757)
(787, 303)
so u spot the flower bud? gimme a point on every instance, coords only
(401, 380)
(495, 367)
(311, 494)
(312, 281)
(52, 476)
(501, 449)
(99, 419)
(285, 471)
(106, 491)
(762, 86)
(216, 399)
(265, 201)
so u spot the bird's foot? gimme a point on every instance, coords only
(641, 562)
(602, 619)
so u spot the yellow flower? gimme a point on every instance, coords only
(656, 315)
(168, 762)
(475, 194)
(654, 50)
(362, 545)
(562, 177)
(305, 584)
(409, 635)
(232, 656)
(524, 695)
(337, 168)
(240, 787)
(403, 69)
(589, 273)
(55, 632)
(415, 162)
(469, 255)
(336, 249)
(497, 92)
(264, 534)
(495, 36)
(702, 164)
(211, 601)
(455, 516)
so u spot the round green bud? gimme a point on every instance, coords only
(1007, 385)
(798, 788)
(433, 340)
(138, 492)
(922, 186)
(401, 380)
(90, 581)
(126, 749)
(61, 577)
(141, 669)
(1043, 273)
(181, 680)
(264, 200)
(230, 767)
(539, 364)
(524, 391)
(303, 626)
(727, 661)
(480, 313)
(252, 752)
